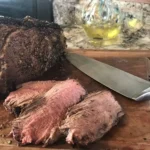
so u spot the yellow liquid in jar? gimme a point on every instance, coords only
(102, 35)
(102, 32)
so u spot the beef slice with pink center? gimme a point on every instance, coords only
(39, 123)
(91, 119)
(26, 94)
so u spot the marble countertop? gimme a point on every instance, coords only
(77, 39)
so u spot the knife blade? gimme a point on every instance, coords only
(117, 80)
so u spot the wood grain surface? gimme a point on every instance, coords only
(132, 132)
(111, 53)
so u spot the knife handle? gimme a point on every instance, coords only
(143, 97)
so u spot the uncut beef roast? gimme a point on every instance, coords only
(28, 48)
(26, 94)
(39, 122)
(90, 119)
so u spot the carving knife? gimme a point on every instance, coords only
(118, 80)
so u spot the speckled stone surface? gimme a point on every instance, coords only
(76, 37)
(64, 11)
(139, 10)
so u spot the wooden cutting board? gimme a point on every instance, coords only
(132, 132)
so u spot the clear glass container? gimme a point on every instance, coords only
(101, 20)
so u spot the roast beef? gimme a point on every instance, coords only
(39, 122)
(26, 94)
(90, 119)
(28, 48)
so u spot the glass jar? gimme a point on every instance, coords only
(101, 20)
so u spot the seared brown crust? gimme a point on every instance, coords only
(28, 48)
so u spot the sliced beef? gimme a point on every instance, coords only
(28, 48)
(89, 120)
(39, 123)
(26, 94)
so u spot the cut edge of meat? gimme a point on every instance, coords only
(70, 133)
(16, 102)
(22, 131)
